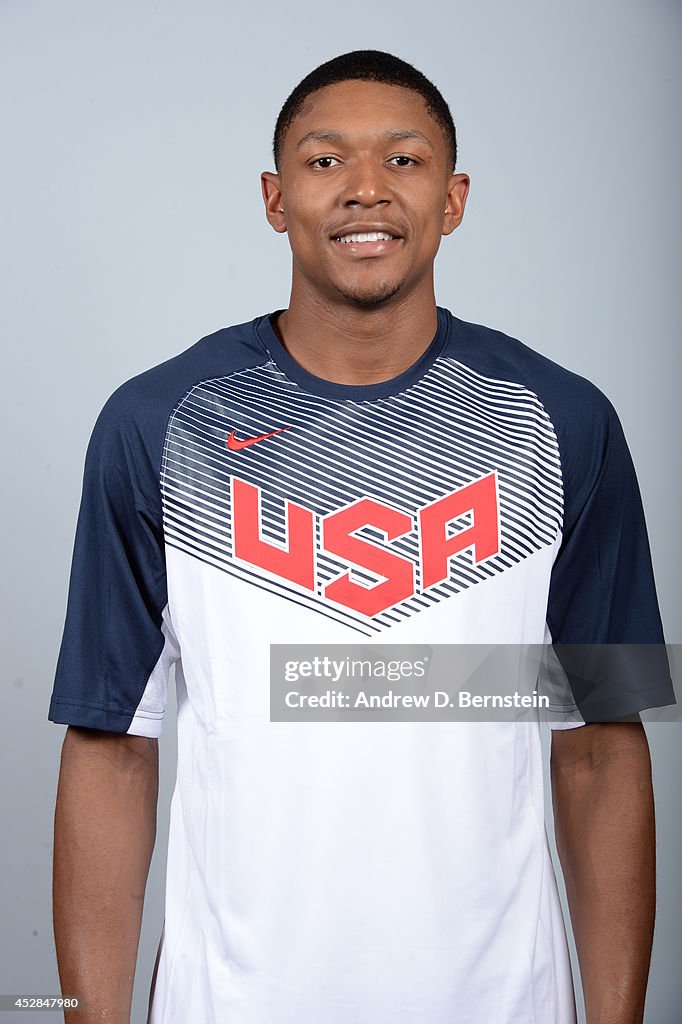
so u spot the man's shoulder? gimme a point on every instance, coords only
(143, 404)
(218, 354)
(573, 402)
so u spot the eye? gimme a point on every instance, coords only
(319, 161)
(401, 156)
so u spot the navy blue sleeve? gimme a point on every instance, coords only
(603, 612)
(118, 642)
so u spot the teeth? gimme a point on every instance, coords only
(367, 236)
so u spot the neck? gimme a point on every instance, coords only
(349, 344)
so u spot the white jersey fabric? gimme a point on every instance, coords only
(347, 872)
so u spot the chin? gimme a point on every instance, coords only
(373, 295)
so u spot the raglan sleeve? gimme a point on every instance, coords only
(118, 642)
(603, 618)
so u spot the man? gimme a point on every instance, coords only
(363, 465)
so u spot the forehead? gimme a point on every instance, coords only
(359, 109)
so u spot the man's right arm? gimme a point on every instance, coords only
(104, 834)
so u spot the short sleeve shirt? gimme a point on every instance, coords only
(352, 871)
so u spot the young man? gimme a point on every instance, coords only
(362, 465)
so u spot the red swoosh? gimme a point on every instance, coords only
(235, 445)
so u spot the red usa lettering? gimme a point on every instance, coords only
(437, 544)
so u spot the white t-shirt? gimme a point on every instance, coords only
(351, 872)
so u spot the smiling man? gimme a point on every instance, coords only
(365, 171)
(363, 466)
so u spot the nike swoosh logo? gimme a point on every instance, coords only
(235, 445)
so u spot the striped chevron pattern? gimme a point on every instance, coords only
(447, 429)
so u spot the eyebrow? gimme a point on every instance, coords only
(324, 135)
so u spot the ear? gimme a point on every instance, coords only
(458, 190)
(271, 187)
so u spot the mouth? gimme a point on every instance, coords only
(367, 243)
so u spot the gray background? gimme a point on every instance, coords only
(133, 136)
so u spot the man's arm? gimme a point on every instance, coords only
(104, 833)
(605, 832)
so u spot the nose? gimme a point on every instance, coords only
(365, 184)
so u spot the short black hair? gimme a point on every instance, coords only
(368, 66)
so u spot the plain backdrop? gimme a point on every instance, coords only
(133, 135)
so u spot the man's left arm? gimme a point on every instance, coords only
(605, 833)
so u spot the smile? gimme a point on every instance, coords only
(359, 244)
(367, 236)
